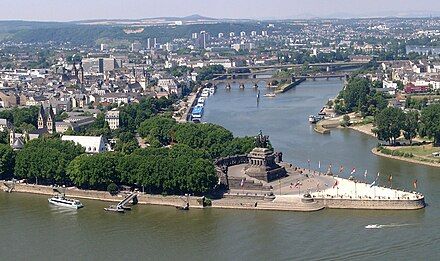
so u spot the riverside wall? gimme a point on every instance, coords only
(147, 199)
(372, 204)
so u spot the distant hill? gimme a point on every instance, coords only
(153, 20)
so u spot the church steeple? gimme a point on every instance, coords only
(50, 120)
(41, 118)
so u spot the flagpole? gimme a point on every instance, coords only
(355, 190)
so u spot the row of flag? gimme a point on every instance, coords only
(353, 171)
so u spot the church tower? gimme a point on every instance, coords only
(41, 118)
(11, 137)
(50, 120)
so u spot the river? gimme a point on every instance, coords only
(32, 229)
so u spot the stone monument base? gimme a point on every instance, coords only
(262, 165)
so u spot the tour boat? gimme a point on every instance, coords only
(60, 200)
(270, 95)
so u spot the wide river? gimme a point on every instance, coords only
(33, 230)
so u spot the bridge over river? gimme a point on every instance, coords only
(271, 81)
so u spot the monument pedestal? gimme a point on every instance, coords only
(262, 165)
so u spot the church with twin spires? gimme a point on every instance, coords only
(46, 124)
(46, 121)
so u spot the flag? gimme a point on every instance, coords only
(308, 161)
(242, 183)
(336, 183)
(390, 178)
(372, 184)
(366, 173)
(415, 184)
(353, 171)
(341, 169)
(297, 184)
(319, 164)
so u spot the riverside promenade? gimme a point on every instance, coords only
(309, 190)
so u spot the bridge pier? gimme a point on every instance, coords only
(228, 86)
(241, 85)
(255, 86)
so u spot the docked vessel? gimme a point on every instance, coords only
(197, 113)
(315, 119)
(62, 201)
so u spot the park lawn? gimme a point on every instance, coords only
(424, 150)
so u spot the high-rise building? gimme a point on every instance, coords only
(104, 47)
(136, 47)
(254, 33)
(242, 34)
(264, 33)
(231, 34)
(148, 44)
(220, 35)
(202, 40)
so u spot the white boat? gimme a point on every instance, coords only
(315, 119)
(373, 226)
(60, 200)
(270, 95)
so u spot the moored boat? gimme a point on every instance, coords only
(62, 201)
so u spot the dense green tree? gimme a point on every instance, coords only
(4, 137)
(159, 128)
(208, 72)
(46, 159)
(389, 123)
(430, 121)
(7, 161)
(94, 171)
(18, 116)
(411, 125)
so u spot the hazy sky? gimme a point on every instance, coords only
(68, 10)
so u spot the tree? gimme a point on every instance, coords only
(411, 125)
(46, 159)
(208, 72)
(7, 161)
(158, 128)
(94, 171)
(430, 121)
(389, 123)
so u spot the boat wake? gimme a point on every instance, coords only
(377, 226)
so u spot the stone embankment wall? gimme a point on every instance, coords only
(148, 199)
(372, 204)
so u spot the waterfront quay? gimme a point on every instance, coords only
(309, 190)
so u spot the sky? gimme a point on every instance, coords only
(73, 10)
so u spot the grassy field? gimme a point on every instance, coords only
(423, 151)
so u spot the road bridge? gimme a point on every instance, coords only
(245, 78)
(332, 65)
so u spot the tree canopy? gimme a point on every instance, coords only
(46, 159)
(7, 161)
(430, 122)
(389, 123)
